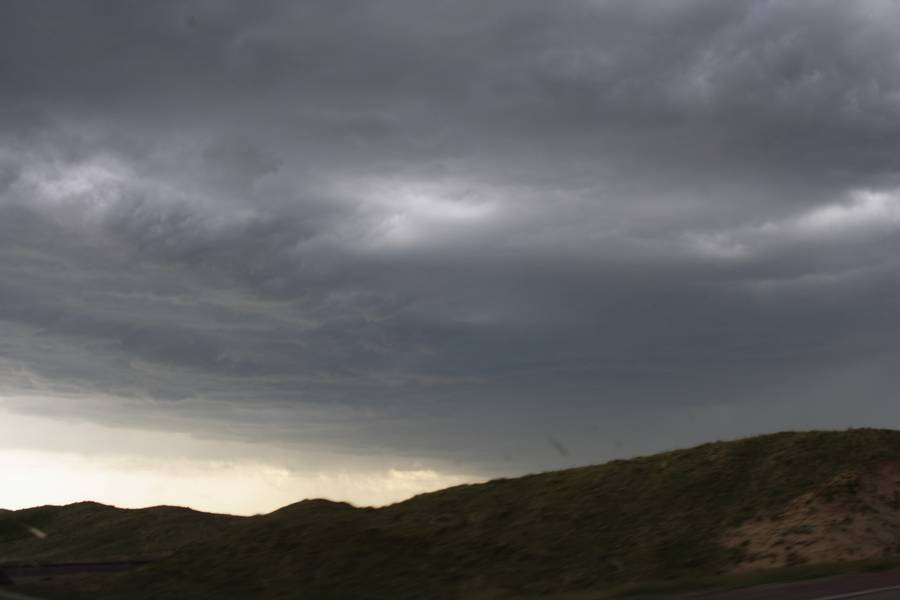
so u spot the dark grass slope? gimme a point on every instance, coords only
(88, 531)
(656, 518)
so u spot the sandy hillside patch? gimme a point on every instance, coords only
(854, 516)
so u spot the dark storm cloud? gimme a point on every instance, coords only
(446, 224)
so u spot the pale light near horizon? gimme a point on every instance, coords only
(132, 478)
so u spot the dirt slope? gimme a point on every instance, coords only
(855, 515)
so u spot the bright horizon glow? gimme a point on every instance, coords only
(128, 476)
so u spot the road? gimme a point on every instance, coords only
(776, 593)
(884, 585)
(887, 595)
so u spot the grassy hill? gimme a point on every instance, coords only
(725, 507)
(89, 531)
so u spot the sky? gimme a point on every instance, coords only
(254, 252)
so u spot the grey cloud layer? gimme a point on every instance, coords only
(433, 225)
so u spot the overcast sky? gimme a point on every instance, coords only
(385, 246)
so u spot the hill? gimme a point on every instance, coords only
(88, 531)
(725, 507)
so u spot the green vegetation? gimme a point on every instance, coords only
(88, 531)
(609, 527)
